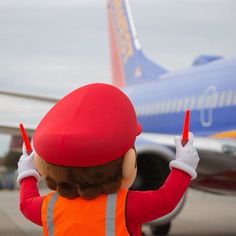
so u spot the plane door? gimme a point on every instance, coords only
(208, 104)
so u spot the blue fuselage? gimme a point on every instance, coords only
(209, 91)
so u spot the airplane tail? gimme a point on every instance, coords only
(129, 64)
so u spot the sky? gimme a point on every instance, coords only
(52, 47)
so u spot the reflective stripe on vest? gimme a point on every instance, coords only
(50, 208)
(110, 214)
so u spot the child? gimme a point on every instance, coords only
(84, 148)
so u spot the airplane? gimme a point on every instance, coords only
(160, 98)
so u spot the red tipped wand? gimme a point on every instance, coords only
(186, 127)
(25, 139)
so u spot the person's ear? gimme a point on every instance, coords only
(129, 164)
(40, 165)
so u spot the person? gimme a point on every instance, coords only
(84, 149)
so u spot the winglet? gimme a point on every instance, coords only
(25, 138)
(186, 127)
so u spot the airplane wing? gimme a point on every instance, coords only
(13, 128)
(203, 144)
(217, 166)
(29, 96)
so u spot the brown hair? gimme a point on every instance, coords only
(87, 182)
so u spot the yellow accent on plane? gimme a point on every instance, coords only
(138, 72)
(227, 134)
(123, 33)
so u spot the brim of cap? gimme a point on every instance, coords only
(139, 129)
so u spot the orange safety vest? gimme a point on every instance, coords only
(103, 216)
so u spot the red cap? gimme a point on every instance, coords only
(91, 126)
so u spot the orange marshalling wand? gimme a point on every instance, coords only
(25, 139)
(185, 128)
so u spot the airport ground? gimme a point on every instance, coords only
(203, 214)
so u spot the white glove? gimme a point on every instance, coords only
(186, 157)
(26, 166)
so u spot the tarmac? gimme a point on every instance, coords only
(203, 214)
